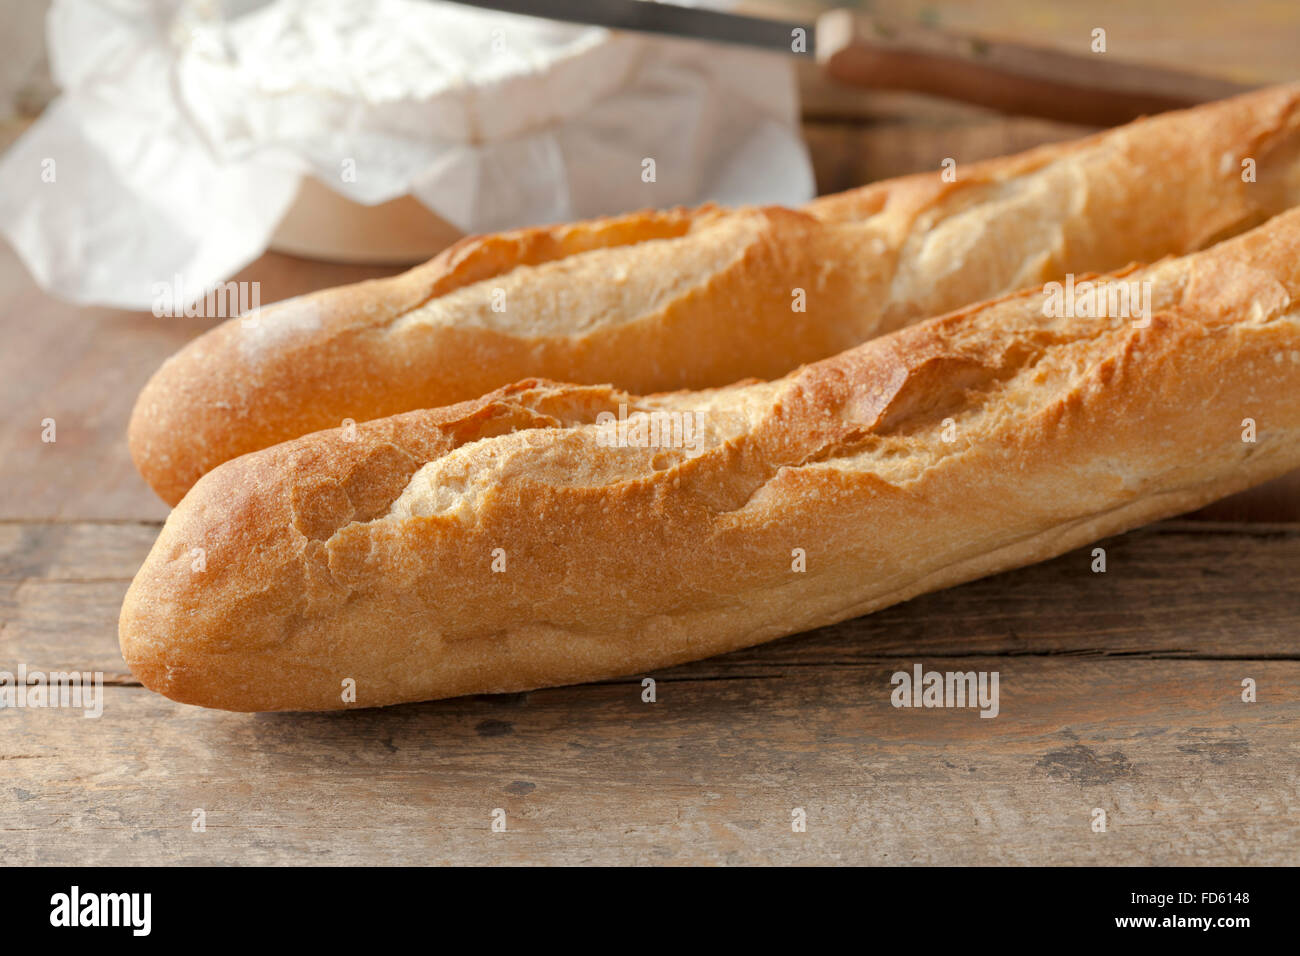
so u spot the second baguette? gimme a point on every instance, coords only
(693, 299)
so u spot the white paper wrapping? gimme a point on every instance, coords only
(184, 129)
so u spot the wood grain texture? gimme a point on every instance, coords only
(1255, 42)
(709, 774)
(84, 367)
(847, 154)
(1096, 711)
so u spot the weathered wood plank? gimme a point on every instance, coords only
(1178, 589)
(83, 367)
(710, 773)
(64, 625)
(74, 550)
(845, 155)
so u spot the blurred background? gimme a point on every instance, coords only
(378, 132)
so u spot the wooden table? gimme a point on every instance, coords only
(1120, 692)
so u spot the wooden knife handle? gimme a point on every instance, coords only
(1092, 89)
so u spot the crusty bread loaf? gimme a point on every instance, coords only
(692, 299)
(507, 543)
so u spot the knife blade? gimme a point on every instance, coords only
(697, 23)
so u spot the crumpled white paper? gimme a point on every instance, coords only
(183, 131)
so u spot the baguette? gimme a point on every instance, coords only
(705, 297)
(521, 540)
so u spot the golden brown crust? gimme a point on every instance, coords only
(701, 298)
(967, 444)
(247, 385)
